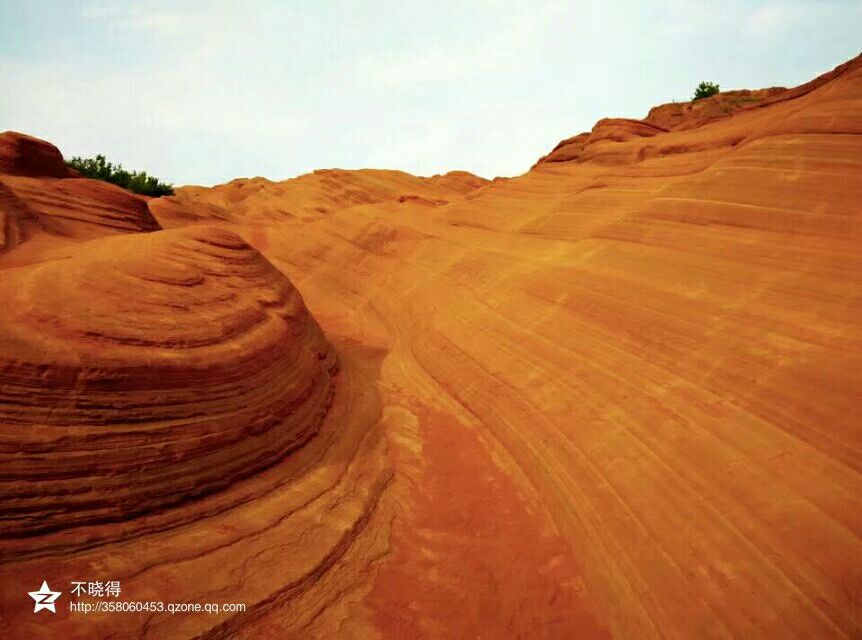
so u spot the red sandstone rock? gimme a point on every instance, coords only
(24, 155)
(613, 397)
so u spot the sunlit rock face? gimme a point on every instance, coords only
(46, 207)
(148, 371)
(615, 396)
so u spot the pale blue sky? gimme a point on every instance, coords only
(202, 92)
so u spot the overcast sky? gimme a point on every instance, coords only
(203, 92)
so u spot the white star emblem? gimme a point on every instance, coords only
(45, 598)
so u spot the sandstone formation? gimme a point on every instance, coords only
(616, 396)
(23, 155)
(309, 196)
(149, 370)
(49, 206)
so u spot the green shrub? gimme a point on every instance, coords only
(705, 89)
(99, 168)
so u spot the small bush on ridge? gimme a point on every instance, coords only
(99, 168)
(705, 89)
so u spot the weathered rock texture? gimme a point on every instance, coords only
(616, 396)
(147, 371)
(49, 206)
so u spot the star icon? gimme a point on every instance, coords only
(45, 598)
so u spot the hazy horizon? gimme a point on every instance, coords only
(201, 93)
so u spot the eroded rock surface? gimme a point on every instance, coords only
(147, 371)
(613, 397)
